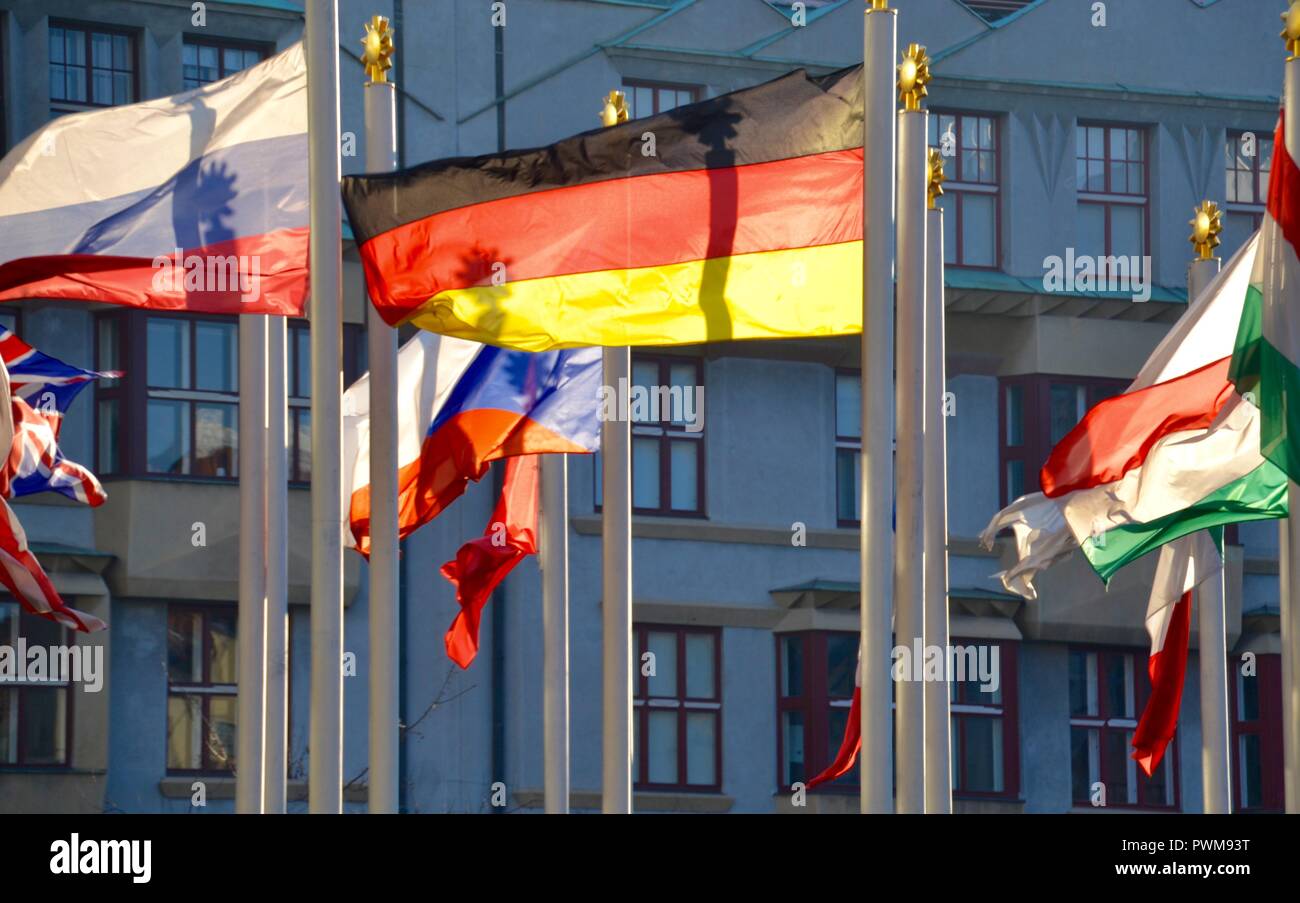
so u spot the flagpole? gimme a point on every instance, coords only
(938, 751)
(876, 478)
(1288, 535)
(274, 796)
(909, 403)
(554, 561)
(1216, 771)
(385, 638)
(325, 776)
(249, 761)
(616, 569)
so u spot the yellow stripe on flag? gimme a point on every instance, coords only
(813, 291)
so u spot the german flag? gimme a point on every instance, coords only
(739, 217)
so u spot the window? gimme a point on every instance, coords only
(648, 98)
(1035, 413)
(1110, 169)
(1249, 160)
(985, 745)
(9, 318)
(202, 695)
(1256, 742)
(206, 60)
(667, 449)
(90, 66)
(678, 709)
(815, 681)
(970, 191)
(188, 396)
(848, 446)
(35, 717)
(1108, 691)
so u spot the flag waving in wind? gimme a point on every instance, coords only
(195, 202)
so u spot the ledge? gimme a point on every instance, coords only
(642, 801)
(223, 788)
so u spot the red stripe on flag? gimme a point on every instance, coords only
(1284, 188)
(481, 564)
(849, 746)
(1116, 435)
(1167, 669)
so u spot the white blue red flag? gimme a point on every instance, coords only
(462, 405)
(193, 202)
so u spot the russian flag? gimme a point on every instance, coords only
(462, 405)
(192, 202)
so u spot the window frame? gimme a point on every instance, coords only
(958, 188)
(1254, 209)
(845, 442)
(815, 704)
(642, 704)
(1141, 689)
(1008, 710)
(263, 49)
(70, 696)
(630, 85)
(1109, 199)
(205, 689)
(59, 106)
(1268, 673)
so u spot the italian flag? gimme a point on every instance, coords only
(1264, 360)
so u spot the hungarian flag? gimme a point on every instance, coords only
(738, 217)
(1264, 361)
(851, 744)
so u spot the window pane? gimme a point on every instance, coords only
(169, 353)
(847, 467)
(1251, 765)
(1080, 677)
(1083, 743)
(184, 737)
(948, 204)
(1015, 398)
(223, 648)
(301, 363)
(643, 102)
(44, 725)
(685, 378)
(700, 682)
(223, 714)
(216, 440)
(8, 725)
(701, 748)
(645, 472)
(107, 435)
(1249, 699)
(184, 647)
(304, 444)
(978, 229)
(1015, 480)
(663, 646)
(168, 445)
(102, 85)
(107, 342)
(1096, 139)
(56, 44)
(848, 405)
(122, 52)
(684, 469)
(1092, 230)
(1117, 686)
(792, 745)
(217, 363)
(1064, 401)
(841, 660)
(1126, 233)
(792, 666)
(983, 752)
(101, 50)
(661, 747)
(1118, 788)
(40, 631)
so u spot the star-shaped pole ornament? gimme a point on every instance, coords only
(1291, 30)
(615, 110)
(913, 76)
(1207, 224)
(378, 55)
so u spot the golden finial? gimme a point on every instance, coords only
(913, 76)
(1291, 30)
(934, 177)
(615, 110)
(378, 55)
(879, 4)
(1206, 225)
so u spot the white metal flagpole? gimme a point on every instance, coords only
(1289, 536)
(876, 479)
(616, 568)
(1216, 770)
(938, 752)
(385, 637)
(555, 631)
(910, 399)
(249, 761)
(274, 796)
(325, 775)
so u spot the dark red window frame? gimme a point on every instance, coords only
(219, 44)
(684, 705)
(957, 188)
(1114, 195)
(88, 30)
(1255, 206)
(1267, 727)
(965, 694)
(814, 703)
(631, 84)
(205, 610)
(70, 704)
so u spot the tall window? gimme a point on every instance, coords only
(648, 98)
(1256, 742)
(1035, 413)
(815, 680)
(1249, 160)
(667, 452)
(678, 708)
(202, 691)
(34, 716)
(985, 747)
(1108, 691)
(1110, 169)
(206, 60)
(90, 66)
(848, 446)
(970, 201)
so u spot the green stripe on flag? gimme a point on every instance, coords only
(1244, 369)
(1259, 495)
(1268, 379)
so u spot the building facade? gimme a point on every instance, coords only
(1070, 128)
